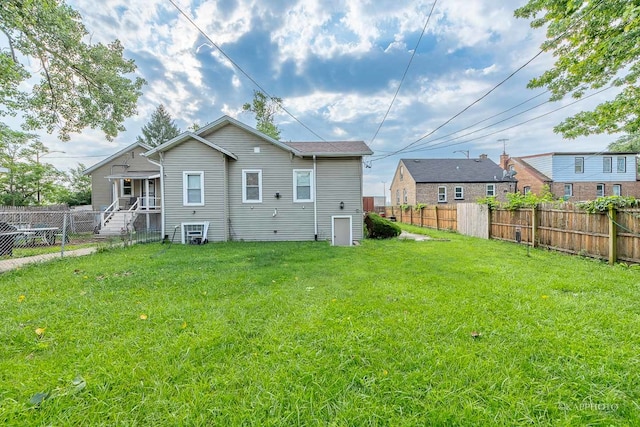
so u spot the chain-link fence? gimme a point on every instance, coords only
(28, 233)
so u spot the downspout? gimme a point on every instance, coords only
(162, 214)
(315, 200)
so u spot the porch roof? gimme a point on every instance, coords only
(135, 175)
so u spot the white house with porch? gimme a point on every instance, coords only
(125, 189)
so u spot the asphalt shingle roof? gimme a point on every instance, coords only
(454, 170)
(331, 147)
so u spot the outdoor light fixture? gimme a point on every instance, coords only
(341, 205)
(277, 195)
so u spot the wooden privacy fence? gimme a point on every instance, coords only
(438, 217)
(613, 235)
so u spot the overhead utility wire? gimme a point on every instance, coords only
(406, 70)
(487, 93)
(513, 126)
(488, 118)
(241, 70)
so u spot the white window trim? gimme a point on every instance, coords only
(185, 194)
(575, 164)
(570, 190)
(619, 187)
(607, 161)
(184, 225)
(603, 190)
(455, 196)
(295, 186)
(493, 190)
(244, 185)
(444, 194)
(122, 187)
(624, 163)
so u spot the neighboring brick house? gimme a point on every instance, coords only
(441, 181)
(576, 175)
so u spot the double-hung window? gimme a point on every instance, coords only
(251, 186)
(622, 164)
(579, 165)
(193, 188)
(600, 190)
(491, 190)
(442, 194)
(568, 190)
(607, 164)
(617, 189)
(127, 187)
(458, 193)
(303, 185)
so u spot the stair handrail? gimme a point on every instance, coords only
(106, 215)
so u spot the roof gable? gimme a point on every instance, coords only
(454, 170)
(185, 136)
(98, 165)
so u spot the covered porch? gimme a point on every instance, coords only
(133, 195)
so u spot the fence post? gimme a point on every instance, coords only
(534, 226)
(64, 233)
(613, 236)
(489, 213)
(411, 215)
(422, 217)
(435, 211)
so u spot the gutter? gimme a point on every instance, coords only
(315, 200)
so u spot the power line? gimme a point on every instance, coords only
(488, 118)
(490, 90)
(235, 64)
(433, 147)
(406, 70)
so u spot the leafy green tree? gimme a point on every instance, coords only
(20, 184)
(81, 84)
(626, 144)
(75, 189)
(595, 43)
(160, 128)
(265, 109)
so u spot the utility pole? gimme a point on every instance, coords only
(384, 192)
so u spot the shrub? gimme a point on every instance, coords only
(380, 228)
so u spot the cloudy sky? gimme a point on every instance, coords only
(337, 65)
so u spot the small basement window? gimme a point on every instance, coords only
(195, 233)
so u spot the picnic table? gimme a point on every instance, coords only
(31, 236)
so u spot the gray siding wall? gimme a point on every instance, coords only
(195, 156)
(101, 188)
(284, 219)
(339, 180)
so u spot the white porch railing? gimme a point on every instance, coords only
(106, 215)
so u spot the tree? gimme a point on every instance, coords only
(76, 188)
(21, 182)
(160, 128)
(81, 84)
(595, 45)
(265, 109)
(626, 144)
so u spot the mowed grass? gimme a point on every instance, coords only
(458, 332)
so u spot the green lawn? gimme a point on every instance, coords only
(396, 333)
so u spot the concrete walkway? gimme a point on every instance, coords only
(13, 263)
(412, 236)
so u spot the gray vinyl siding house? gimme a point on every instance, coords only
(247, 186)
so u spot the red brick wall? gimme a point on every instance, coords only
(428, 193)
(526, 178)
(402, 183)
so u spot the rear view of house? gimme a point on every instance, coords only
(228, 181)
